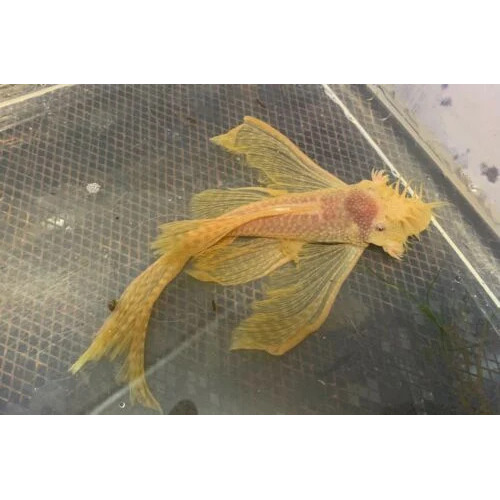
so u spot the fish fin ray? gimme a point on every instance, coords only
(281, 163)
(232, 262)
(298, 299)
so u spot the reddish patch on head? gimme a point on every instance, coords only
(363, 209)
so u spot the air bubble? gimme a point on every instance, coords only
(122, 405)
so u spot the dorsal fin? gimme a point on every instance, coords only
(281, 163)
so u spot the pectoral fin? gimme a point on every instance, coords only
(243, 260)
(281, 163)
(298, 299)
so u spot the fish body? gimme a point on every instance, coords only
(355, 214)
(304, 228)
(332, 218)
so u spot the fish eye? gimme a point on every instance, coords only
(379, 227)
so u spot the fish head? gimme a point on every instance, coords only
(398, 216)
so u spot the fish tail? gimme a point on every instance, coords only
(124, 331)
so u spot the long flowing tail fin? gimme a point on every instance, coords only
(124, 331)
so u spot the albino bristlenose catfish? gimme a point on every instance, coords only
(303, 216)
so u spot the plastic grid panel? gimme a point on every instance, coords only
(94, 171)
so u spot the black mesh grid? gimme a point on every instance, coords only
(88, 172)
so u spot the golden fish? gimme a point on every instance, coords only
(304, 215)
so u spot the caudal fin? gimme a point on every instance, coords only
(124, 331)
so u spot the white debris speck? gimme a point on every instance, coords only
(53, 222)
(93, 187)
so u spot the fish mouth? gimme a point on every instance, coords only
(395, 250)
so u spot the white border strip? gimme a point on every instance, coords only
(31, 95)
(331, 94)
